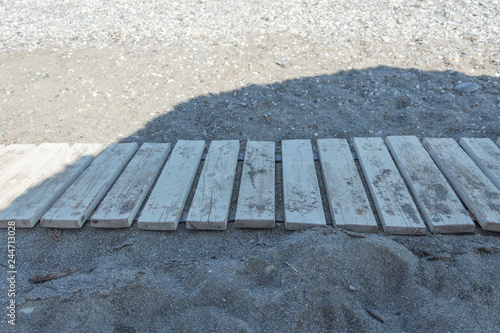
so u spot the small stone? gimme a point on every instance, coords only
(27, 310)
(281, 63)
(467, 87)
(352, 288)
(269, 269)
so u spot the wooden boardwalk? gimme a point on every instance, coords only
(402, 184)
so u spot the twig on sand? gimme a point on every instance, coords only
(375, 315)
(295, 269)
(39, 278)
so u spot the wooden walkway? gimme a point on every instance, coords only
(400, 184)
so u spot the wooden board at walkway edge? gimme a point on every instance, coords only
(486, 154)
(73, 208)
(11, 153)
(442, 210)
(28, 171)
(474, 188)
(349, 204)
(210, 207)
(28, 208)
(119, 207)
(397, 212)
(255, 207)
(165, 204)
(301, 195)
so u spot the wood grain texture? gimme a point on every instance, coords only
(165, 205)
(474, 188)
(119, 207)
(256, 199)
(397, 212)
(442, 210)
(28, 171)
(77, 203)
(11, 153)
(349, 204)
(301, 195)
(486, 154)
(28, 208)
(210, 207)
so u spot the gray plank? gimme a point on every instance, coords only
(28, 208)
(210, 207)
(13, 152)
(349, 204)
(119, 207)
(77, 203)
(165, 205)
(255, 207)
(27, 171)
(442, 210)
(301, 196)
(474, 188)
(396, 209)
(486, 154)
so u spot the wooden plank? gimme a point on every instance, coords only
(119, 207)
(349, 204)
(396, 209)
(165, 205)
(13, 152)
(301, 196)
(27, 171)
(474, 188)
(442, 210)
(28, 208)
(210, 207)
(77, 203)
(486, 154)
(255, 207)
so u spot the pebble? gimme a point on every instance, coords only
(281, 63)
(269, 269)
(27, 310)
(467, 87)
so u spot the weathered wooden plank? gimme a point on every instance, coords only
(210, 207)
(28, 208)
(438, 203)
(255, 207)
(27, 171)
(486, 154)
(474, 188)
(396, 209)
(301, 196)
(165, 205)
(349, 204)
(119, 207)
(13, 152)
(77, 203)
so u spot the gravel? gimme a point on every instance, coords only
(108, 71)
